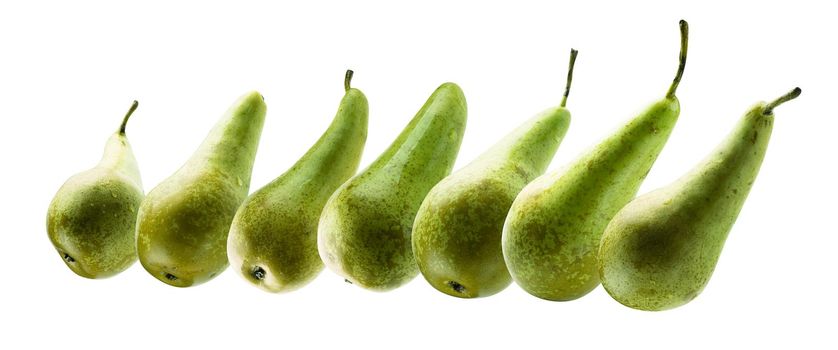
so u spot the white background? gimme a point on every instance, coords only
(69, 70)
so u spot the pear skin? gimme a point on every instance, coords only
(365, 229)
(91, 219)
(273, 238)
(183, 223)
(660, 250)
(457, 232)
(552, 232)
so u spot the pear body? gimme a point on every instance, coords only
(553, 228)
(364, 232)
(457, 231)
(91, 219)
(660, 250)
(273, 238)
(183, 223)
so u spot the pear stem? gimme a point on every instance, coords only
(348, 79)
(128, 115)
(782, 99)
(573, 54)
(682, 58)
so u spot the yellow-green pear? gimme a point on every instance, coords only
(457, 232)
(91, 219)
(273, 239)
(660, 250)
(553, 229)
(365, 229)
(183, 223)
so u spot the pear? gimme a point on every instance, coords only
(553, 229)
(365, 228)
(273, 238)
(91, 219)
(183, 223)
(457, 232)
(660, 250)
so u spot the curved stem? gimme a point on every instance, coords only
(782, 99)
(128, 115)
(348, 79)
(682, 58)
(573, 54)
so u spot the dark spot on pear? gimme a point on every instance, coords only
(521, 172)
(258, 273)
(459, 288)
(68, 258)
(171, 277)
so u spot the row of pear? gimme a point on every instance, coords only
(469, 233)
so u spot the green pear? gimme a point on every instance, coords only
(457, 232)
(183, 223)
(552, 232)
(273, 239)
(365, 229)
(91, 219)
(660, 250)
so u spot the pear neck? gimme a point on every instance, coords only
(530, 147)
(231, 144)
(730, 169)
(118, 156)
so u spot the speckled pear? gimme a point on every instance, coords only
(273, 238)
(457, 232)
(91, 219)
(553, 229)
(660, 250)
(183, 223)
(365, 229)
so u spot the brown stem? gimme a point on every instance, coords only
(782, 99)
(128, 115)
(682, 58)
(348, 79)
(573, 54)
